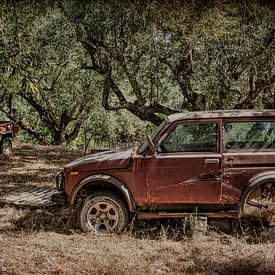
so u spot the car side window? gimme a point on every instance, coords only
(249, 135)
(195, 137)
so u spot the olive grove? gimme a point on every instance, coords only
(107, 69)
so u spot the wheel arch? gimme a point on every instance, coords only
(253, 183)
(99, 180)
(8, 135)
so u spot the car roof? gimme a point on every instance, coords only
(221, 114)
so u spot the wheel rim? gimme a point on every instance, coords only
(262, 204)
(103, 216)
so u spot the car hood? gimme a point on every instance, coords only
(113, 159)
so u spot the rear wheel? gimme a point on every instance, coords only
(260, 202)
(103, 212)
(6, 147)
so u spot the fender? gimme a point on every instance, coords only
(254, 182)
(114, 181)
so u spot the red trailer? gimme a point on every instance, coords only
(8, 130)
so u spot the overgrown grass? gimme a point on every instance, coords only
(46, 243)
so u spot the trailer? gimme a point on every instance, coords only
(8, 131)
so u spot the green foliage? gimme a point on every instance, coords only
(113, 129)
(60, 61)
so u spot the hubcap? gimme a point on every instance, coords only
(103, 216)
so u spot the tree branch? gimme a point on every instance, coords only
(255, 89)
(92, 50)
(182, 73)
(108, 85)
(132, 80)
(267, 42)
(140, 110)
(77, 126)
(158, 108)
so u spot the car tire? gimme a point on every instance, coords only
(259, 201)
(6, 147)
(102, 212)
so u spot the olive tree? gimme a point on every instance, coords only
(42, 86)
(159, 58)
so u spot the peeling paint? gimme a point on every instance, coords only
(202, 178)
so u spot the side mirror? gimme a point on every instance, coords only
(151, 145)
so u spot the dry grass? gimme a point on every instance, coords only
(46, 241)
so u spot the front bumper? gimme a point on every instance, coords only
(60, 197)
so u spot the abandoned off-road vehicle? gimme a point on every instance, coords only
(221, 163)
(8, 130)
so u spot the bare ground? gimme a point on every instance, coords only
(46, 241)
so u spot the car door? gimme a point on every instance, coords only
(187, 165)
(249, 150)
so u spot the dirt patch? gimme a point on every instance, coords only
(33, 166)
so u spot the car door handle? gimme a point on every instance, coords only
(211, 161)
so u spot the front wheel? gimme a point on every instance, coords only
(6, 147)
(103, 212)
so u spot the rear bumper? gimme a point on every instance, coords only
(60, 197)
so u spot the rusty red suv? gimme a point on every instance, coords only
(217, 163)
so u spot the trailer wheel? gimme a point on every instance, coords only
(6, 147)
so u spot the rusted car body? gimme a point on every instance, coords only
(8, 131)
(208, 162)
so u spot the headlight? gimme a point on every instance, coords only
(60, 181)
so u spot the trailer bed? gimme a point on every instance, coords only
(28, 196)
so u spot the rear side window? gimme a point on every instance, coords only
(250, 135)
(196, 137)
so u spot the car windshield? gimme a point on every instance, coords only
(142, 148)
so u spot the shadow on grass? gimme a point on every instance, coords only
(48, 219)
(19, 179)
(63, 220)
(56, 155)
